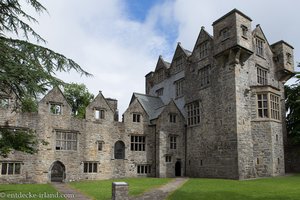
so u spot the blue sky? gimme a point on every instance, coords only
(119, 41)
(139, 9)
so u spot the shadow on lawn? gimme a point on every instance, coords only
(222, 195)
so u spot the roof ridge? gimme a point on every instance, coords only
(148, 95)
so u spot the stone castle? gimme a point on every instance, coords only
(216, 111)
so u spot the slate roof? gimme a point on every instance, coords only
(187, 52)
(153, 105)
(167, 64)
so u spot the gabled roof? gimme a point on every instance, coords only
(179, 50)
(98, 97)
(203, 36)
(162, 64)
(53, 90)
(258, 31)
(152, 105)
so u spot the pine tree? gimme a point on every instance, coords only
(26, 69)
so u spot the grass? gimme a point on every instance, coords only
(101, 190)
(277, 188)
(27, 191)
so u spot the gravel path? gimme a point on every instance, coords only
(162, 192)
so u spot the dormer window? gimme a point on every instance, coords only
(260, 47)
(178, 65)
(55, 108)
(173, 117)
(99, 113)
(204, 49)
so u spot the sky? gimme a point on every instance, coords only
(119, 41)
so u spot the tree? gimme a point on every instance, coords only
(292, 95)
(29, 104)
(20, 140)
(78, 97)
(26, 69)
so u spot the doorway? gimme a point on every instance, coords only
(178, 168)
(58, 172)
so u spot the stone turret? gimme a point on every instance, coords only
(232, 35)
(284, 60)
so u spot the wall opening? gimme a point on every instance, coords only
(58, 172)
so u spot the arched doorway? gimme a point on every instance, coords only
(178, 168)
(119, 150)
(58, 172)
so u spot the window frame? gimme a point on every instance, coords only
(178, 65)
(193, 113)
(262, 75)
(204, 49)
(268, 106)
(143, 169)
(53, 108)
(259, 47)
(244, 31)
(100, 145)
(64, 142)
(204, 76)
(90, 167)
(136, 117)
(99, 113)
(172, 117)
(289, 58)
(168, 159)
(173, 141)
(179, 86)
(274, 106)
(10, 168)
(137, 143)
(224, 33)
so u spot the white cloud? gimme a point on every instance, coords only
(101, 37)
(104, 41)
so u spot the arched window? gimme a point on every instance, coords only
(119, 150)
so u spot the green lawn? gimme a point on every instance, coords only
(101, 190)
(26, 191)
(283, 188)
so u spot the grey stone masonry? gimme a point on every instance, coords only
(119, 191)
